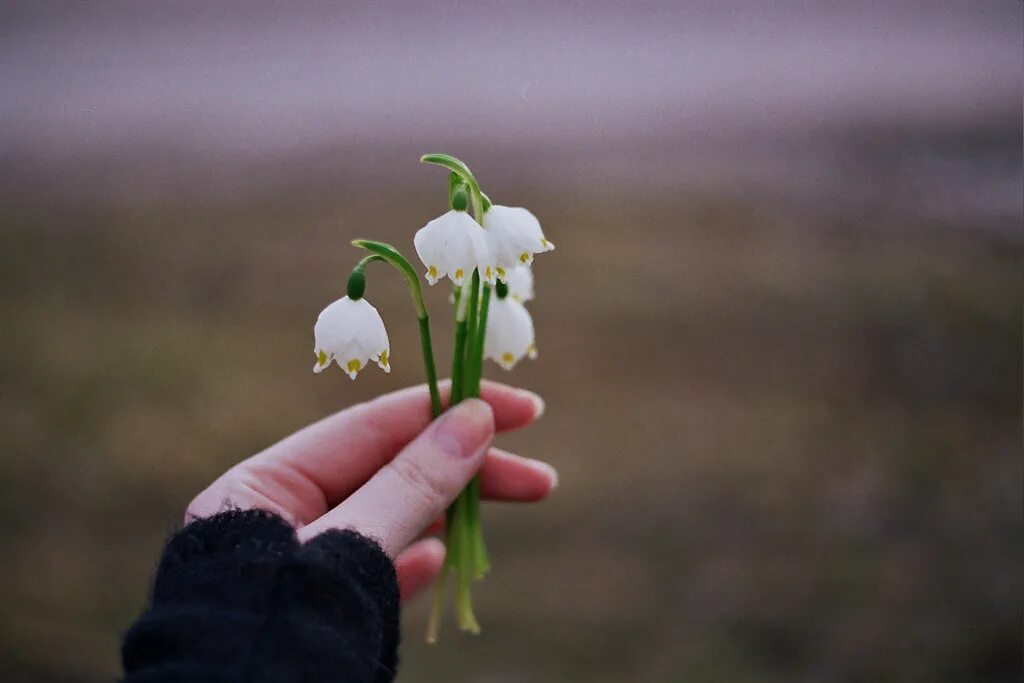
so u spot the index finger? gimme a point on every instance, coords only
(342, 451)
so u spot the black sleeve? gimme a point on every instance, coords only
(237, 598)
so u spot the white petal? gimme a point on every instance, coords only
(483, 257)
(520, 283)
(383, 351)
(509, 334)
(515, 235)
(350, 332)
(453, 245)
(352, 359)
(319, 367)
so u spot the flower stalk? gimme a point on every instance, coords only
(480, 247)
(385, 252)
(466, 554)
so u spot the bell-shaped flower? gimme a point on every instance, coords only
(352, 333)
(509, 334)
(515, 236)
(520, 283)
(453, 245)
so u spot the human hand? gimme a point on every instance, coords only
(384, 469)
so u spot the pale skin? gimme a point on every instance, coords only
(385, 469)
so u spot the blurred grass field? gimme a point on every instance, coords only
(787, 431)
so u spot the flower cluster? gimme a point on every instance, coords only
(453, 245)
(501, 250)
(487, 252)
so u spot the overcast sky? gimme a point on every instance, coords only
(277, 75)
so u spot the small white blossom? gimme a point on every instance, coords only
(453, 245)
(351, 332)
(515, 236)
(520, 283)
(509, 334)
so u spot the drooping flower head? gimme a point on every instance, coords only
(351, 331)
(509, 334)
(515, 236)
(520, 283)
(453, 245)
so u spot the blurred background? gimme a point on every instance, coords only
(780, 339)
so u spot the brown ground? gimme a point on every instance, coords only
(787, 432)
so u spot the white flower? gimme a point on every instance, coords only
(520, 283)
(453, 245)
(509, 334)
(351, 332)
(515, 236)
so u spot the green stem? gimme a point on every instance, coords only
(472, 333)
(459, 355)
(437, 606)
(428, 361)
(481, 562)
(385, 252)
(474, 359)
(452, 517)
(476, 352)
(466, 553)
(463, 596)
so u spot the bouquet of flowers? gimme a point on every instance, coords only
(486, 251)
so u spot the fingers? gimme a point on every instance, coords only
(341, 452)
(414, 488)
(418, 565)
(509, 477)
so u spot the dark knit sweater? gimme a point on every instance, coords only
(237, 599)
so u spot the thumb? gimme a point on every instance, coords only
(411, 491)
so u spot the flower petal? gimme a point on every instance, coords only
(520, 283)
(509, 334)
(452, 245)
(515, 235)
(352, 333)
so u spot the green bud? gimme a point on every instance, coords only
(460, 200)
(501, 289)
(486, 201)
(356, 284)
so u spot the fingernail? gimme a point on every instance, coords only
(465, 429)
(538, 403)
(547, 469)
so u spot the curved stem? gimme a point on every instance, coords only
(459, 168)
(385, 252)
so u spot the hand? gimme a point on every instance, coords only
(384, 469)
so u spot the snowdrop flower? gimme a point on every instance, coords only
(351, 332)
(453, 245)
(515, 236)
(509, 334)
(520, 283)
